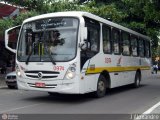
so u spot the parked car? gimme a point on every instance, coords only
(11, 80)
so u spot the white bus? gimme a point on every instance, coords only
(77, 53)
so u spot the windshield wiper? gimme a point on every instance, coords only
(50, 56)
(45, 45)
(30, 54)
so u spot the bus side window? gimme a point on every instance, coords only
(141, 47)
(116, 41)
(147, 48)
(106, 39)
(125, 43)
(134, 46)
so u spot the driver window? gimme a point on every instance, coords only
(93, 35)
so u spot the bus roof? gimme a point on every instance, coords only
(85, 14)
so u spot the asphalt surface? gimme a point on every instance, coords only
(122, 102)
(2, 80)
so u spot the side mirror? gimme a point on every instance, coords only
(11, 33)
(84, 44)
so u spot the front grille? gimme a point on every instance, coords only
(36, 76)
(11, 77)
(45, 74)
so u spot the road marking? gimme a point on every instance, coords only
(148, 111)
(152, 108)
(9, 110)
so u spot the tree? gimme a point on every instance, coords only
(7, 23)
(144, 17)
(140, 15)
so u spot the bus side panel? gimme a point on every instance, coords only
(121, 78)
(91, 82)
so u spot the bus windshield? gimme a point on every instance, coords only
(48, 39)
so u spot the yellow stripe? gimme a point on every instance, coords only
(39, 47)
(115, 69)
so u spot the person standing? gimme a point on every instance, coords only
(155, 66)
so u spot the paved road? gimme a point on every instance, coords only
(123, 100)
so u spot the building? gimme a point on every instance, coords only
(7, 11)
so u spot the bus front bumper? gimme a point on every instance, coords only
(58, 86)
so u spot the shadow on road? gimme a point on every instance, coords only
(62, 98)
(121, 89)
(78, 98)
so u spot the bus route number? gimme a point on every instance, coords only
(58, 68)
(108, 60)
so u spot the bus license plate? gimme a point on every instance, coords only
(39, 84)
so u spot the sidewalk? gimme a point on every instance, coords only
(2, 80)
(2, 77)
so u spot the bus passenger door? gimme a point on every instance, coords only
(92, 41)
(93, 45)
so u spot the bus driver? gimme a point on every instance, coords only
(54, 37)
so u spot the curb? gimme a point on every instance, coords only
(2, 87)
(2, 81)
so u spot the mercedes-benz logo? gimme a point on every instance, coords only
(40, 75)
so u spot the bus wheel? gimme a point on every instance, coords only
(137, 81)
(101, 87)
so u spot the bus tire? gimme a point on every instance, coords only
(137, 80)
(101, 87)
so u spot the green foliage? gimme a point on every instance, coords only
(62, 6)
(19, 19)
(5, 24)
(140, 15)
(144, 17)
(109, 12)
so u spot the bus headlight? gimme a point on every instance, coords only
(70, 75)
(18, 72)
(71, 72)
